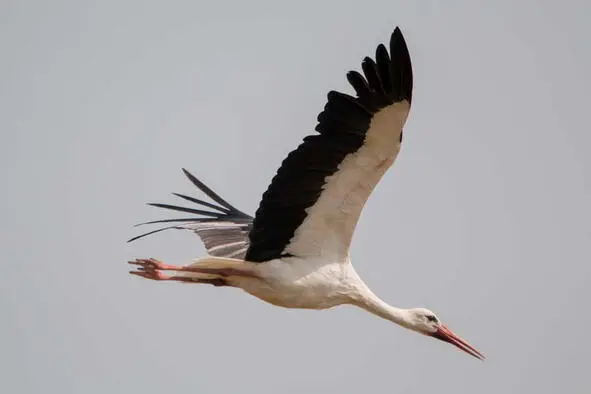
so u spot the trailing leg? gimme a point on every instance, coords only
(159, 276)
(208, 265)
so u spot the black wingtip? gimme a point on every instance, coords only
(202, 203)
(210, 193)
(381, 49)
(149, 233)
(188, 210)
(181, 220)
(401, 65)
(397, 33)
(387, 79)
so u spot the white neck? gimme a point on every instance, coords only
(367, 300)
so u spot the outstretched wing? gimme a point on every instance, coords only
(223, 230)
(314, 201)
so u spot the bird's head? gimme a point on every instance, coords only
(426, 322)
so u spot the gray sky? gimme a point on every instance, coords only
(484, 218)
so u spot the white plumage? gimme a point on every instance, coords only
(295, 252)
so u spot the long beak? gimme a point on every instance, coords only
(447, 335)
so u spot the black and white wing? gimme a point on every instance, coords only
(223, 229)
(313, 203)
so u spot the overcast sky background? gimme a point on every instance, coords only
(484, 218)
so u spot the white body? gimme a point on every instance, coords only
(304, 284)
(299, 283)
(308, 284)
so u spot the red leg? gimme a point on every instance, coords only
(157, 275)
(151, 274)
(153, 264)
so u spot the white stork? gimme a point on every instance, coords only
(294, 253)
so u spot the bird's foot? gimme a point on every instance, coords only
(153, 264)
(152, 269)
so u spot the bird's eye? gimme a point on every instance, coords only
(431, 318)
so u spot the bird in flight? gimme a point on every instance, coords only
(294, 252)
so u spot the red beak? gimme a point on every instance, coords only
(447, 335)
